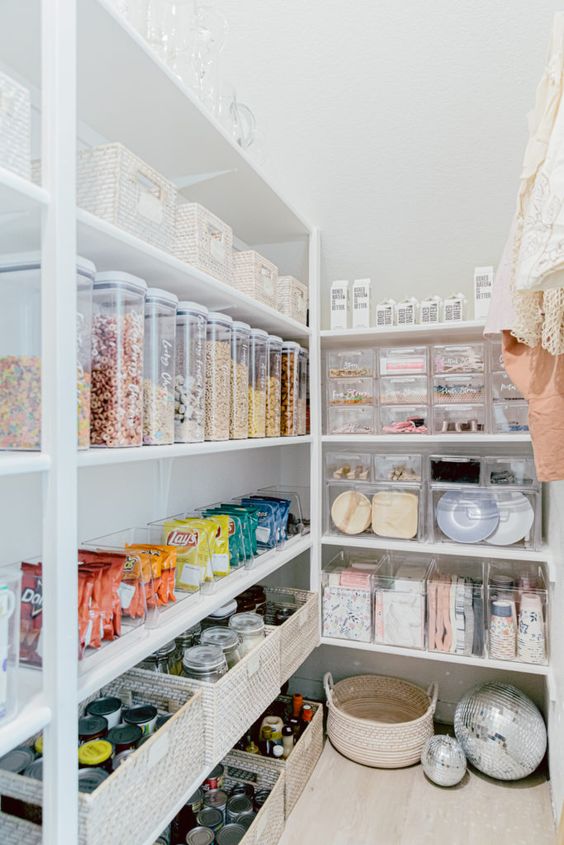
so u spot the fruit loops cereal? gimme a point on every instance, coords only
(20, 402)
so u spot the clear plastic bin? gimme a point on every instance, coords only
(400, 601)
(455, 607)
(195, 539)
(299, 515)
(463, 358)
(218, 376)
(510, 471)
(455, 469)
(469, 514)
(495, 355)
(190, 377)
(503, 389)
(459, 388)
(354, 363)
(404, 390)
(290, 389)
(404, 419)
(347, 605)
(350, 391)
(274, 386)
(517, 612)
(393, 510)
(398, 467)
(358, 420)
(403, 361)
(303, 363)
(10, 599)
(240, 344)
(159, 364)
(510, 417)
(117, 360)
(459, 419)
(258, 369)
(348, 466)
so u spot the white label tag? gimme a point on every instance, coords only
(190, 575)
(262, 534)
(253, 665)
(157, 750)
(217, 249)
(220, 564)
(150, 207)
(126, 593)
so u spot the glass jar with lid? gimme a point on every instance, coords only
(166, 660)
(117, 360)
(273, 385)
(239, 420)
(204, 663)
(190, 376)
(218, 376)
(250, 628)
(159, 363)
(227, 640)
(301, 425)
(187, 639)
(221, 616)
(257, 383)
(290, 389)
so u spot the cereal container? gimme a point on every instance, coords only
(239, 419)
(257, 383)
(273, 387)
(303, 361)
(159, 358)
(218, 376)
(190, 375)
(290, 389)
(117, 360)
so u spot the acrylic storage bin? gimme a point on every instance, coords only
(350, 391)
(456, 607)
(15, 126)
(292, 298)
(404, 390)
(517, 612)
(455, 469)
(510, 471)
(190, 375)
(10, 599)
(204, 241)
(240, 384)
(358, 420)
(402, 361)
(348, 466)
(495, 356)
(459, 419)
(258, 374)
(503, 389)
(495, 517)
(400, 600)
(299, 515)
(393, 511)
(159, 363)
(403, 467)
(290, 389)
(218, 376)
(354, 363)
(117, 360)
(457, 359)
(510, 417)
(404, 419)
(119, 187)
(255, 276)
(346, 596)
(456, 389)
(274, 386)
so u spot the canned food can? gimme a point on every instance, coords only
(215, 779)
(196, 801)
(231, 834)
(210, 817)
(261, 796)
(238, 805)
(243, 789)
(200, 836)
(246, 821)
(216, 798)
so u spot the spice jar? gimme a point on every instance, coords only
(125, 737)
(218, 376)
(165, 660)
(190, 376)
(204, 663)
(250, 628)
(303, 359)
(257, 383)
(227, 640)
(159, 363)
(239, 419)
(117, 360)
(290, 389)
(273, 385)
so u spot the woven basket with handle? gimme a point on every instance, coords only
(379, 721)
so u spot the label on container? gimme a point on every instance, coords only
(126, 593)
(190, 575)
(483, 287)
(339, 304)
(220, 564)
(150, 207)
(262, 534)
(253, 664)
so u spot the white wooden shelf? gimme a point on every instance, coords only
(22, 463)
(359, 440)
(21, 206)
(437, 333)
(33, 714)
(482, 662)
(117, 657)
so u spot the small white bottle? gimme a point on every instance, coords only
(454, 308)
(340, 304)
(483, 287)
(385, 313)
(361, 303)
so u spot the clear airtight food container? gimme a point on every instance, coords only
(463, 358)
(10, 595)
(218, 376)
(258, 368)
(404, 467)
(350, 391)
(347, 599)
(358, 419)
(159, 364)
(510, 472)
(348, 466)
(250, 629)
(204, 663)
(190, 375)
(290, 389)
(391, 511)
(455, 469)
(459, 419)
(20, 350)
(117, 360)
(239, 411)
(274, 386)
(404, 419)
(404, 390)
(226, 639)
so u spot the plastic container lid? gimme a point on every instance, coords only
(225, 638)
(239, 803)
(125, 735)
(115, 279)
(238, 325)
(503, 608)
(223, 612)
(17, 760)
(247, 623)
(218, 317)
(92, 725)
(104, 706)
(186, 307)
(204, 658)
(90, 779)
(95, 753)
(165, 650)
(260, 333)
(164, 295)
(140, 714)
(467, 517)
(273, 338)
(32, 261)
(291, 344)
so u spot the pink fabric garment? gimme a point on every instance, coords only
(501, 314)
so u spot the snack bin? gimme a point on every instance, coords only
(404, 419)
(352, 392)
(258, 367)
(459, 419)
(190, 375)
(290, 389)
(354, 363)
(400, 467)
(159, 363)
(403, 390)
(510, 417)
(274, 386)
(456, 607)
(346, 600)
(195, 541)
(239, 410)
(117, 360)
(348, 466)
(517, 612)
(203, 240)
(403, 360)
(451, 359)
(292, 298)
(218, 376)
(10, 591)
(359, 419)
(400, 595)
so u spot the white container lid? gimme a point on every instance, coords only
(218, 317)
(185, 307)
(111, 277)
(32, 260)
(291, 344)
(247, 623)
(260, 333)
(159, 293)
(273, 338)
(240, 326)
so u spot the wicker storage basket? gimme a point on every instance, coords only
(18, 832)
(292, 298)
(119, 187)
(204, 241)
(379, 721)
(15, 127)
(299, 635)
(256, 276)
(262, 773)
(151, 782)
(299, 766)
(239, 697)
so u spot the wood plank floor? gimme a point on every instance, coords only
(348, 804)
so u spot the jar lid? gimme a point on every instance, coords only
(215, 798)
(92, 725)
(273, 338)
(94, 753)
(35, 770)
(185, 307)
(165, 650)
(200, 836)
(231, 834)
(17, 760)
(140, 714)
(210, 817)
(224, 611)
(241, 327)
(260, 333)
(247, 623)
(90, 779)
(125, 735)
(165, 295)
(111, 278)
(104, 706)
(290, 344)
(201, 658)
(218, 317)
(225, 638)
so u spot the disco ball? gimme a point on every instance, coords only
(500, 730)
(443, 760)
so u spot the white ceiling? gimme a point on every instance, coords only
(398, 126)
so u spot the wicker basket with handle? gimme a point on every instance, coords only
(300, 633)
(204, 241)
(15, 831)
(379, 721)
(15, 127)
(262, 773)
(292, 298)
(256, 276)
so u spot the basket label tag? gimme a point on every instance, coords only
(150, 207)
(158, 750)
(253, 665)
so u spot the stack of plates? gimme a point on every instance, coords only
(500, 518)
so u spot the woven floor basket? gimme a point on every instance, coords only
(379, 721)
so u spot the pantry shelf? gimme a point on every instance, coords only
(22, 463)
(434, 333)
(117, 657)
(358, 440)
(33, 715)
(21, 205)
